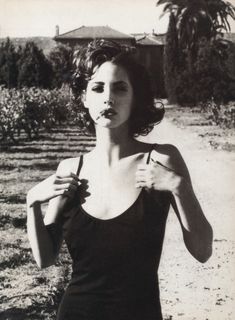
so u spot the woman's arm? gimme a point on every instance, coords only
(197, 232)
(45, 234)
(173, 176)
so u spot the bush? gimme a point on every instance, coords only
(30, 110)
(213, 78)
(192, 80)
(222, 115)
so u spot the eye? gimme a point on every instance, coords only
(121, 88)
(97, 89)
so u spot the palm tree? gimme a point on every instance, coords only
(199, 25)
(198, 19)
(219, 12)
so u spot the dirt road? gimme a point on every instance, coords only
(190, 290)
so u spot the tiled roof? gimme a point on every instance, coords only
(94, 32)
(149, 39)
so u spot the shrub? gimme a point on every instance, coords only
(11, 110)
(31, 110)
(208, 76)
(221, 114)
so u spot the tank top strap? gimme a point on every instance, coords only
(79, 165)
(150, 152)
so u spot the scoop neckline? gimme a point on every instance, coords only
(115, 217)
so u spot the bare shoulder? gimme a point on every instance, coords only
(170, 156)
(67, 166)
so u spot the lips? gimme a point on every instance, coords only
(108, 112)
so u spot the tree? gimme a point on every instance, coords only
(197, 22)
(61, 61)
(34, 68)
(198, 19)
(8, 64)
(196, 14)
(219, 12)
(171, 60)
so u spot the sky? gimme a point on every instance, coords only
(20, 18)
(28, 18)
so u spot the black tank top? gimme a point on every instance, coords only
(115, 261)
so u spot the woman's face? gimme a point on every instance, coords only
(109, 96)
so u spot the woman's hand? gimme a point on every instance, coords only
(158, 177)
(53, 186)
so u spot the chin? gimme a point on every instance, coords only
(109, 124)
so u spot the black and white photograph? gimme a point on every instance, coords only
(117, 160)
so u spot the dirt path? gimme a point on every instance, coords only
(190, 290)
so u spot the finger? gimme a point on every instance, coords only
(139, 184)
(64, 193)
(140, 174)
(73, 175)
(150, 184)
(72, 188)
(142, 184)
(141, 181)
(146, 167)
(147, 174)
(66, 180)
(66, 186)
(142, 167)
(70, 175)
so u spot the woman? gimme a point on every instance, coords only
(111, 204)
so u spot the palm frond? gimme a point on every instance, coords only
(161, 2)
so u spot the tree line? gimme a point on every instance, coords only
(33, 90)
(28, 66)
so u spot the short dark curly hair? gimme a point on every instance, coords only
(145, 114)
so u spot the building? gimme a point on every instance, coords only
(149, 48)
(83, 35)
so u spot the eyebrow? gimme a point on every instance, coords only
(114, 83)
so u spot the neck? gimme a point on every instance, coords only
(113, 144)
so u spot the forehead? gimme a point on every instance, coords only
(110, 72)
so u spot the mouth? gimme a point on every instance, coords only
(108, 112)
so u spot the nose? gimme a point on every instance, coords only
(108, 99)
(109, 102)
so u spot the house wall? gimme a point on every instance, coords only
(152, 58)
